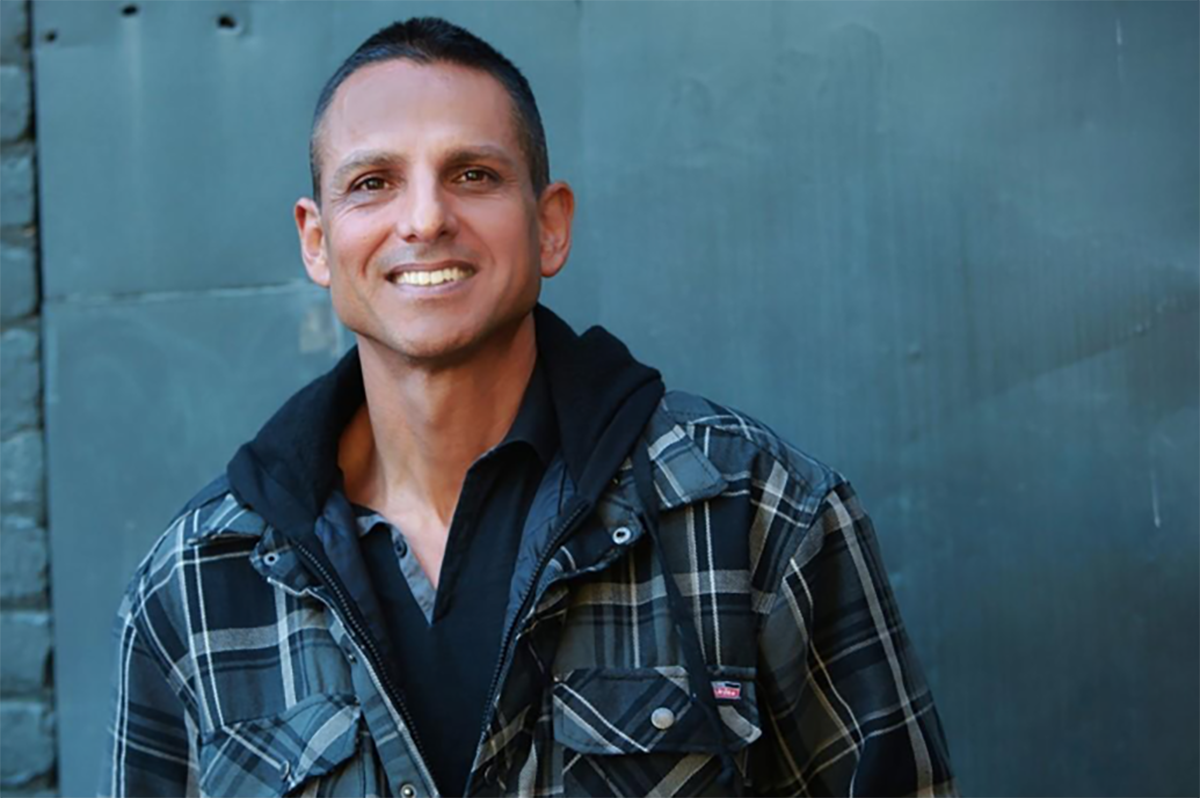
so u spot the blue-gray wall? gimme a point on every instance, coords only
(950, 248)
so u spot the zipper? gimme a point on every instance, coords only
(518, 619)
(367, 643)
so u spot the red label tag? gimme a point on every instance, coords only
(728, 690)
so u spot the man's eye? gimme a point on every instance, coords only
(369, 184)
(475, 176)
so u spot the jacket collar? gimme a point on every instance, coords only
(224, 517)
(683, 474)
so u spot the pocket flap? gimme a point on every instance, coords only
(638, 710)
(273, 755)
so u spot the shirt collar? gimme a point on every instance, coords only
(536, 423)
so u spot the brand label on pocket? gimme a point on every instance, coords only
(730, 691)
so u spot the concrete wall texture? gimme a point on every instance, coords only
(950, 248)
(28, 755)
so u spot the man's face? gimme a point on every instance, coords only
(429, 236)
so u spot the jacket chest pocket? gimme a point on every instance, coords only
(312, 744)
(637, 731)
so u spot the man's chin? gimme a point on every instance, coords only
(433, 352)
(422, 353)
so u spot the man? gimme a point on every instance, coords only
(484, 555)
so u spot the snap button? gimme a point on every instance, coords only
(621, 535)
(351, 657)
(271, 559)
(662, 718)
(408, 791)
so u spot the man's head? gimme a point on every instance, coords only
(433, 227)
(428, 40)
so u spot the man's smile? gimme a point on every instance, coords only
(425, 277)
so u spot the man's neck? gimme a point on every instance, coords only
(420, 429)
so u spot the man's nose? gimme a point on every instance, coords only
(428, 214)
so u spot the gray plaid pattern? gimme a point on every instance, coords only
(235, 676)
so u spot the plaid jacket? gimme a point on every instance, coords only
(237, 675)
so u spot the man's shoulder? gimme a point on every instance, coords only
(769, 491)
(738, 443)
(214, 512)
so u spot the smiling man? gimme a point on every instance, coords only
(485, 555)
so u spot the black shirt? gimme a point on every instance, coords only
(445, 644)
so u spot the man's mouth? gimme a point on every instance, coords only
(426, 277)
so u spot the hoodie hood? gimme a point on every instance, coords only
(602, 397)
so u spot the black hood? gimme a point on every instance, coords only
(602, 398)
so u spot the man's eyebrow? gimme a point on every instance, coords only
(370, 159)
(481, 152)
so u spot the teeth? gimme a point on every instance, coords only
(431, 278)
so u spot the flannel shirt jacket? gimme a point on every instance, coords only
(236, 674)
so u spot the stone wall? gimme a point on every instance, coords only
(27, 753)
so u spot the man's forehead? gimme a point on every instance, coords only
(387, 100)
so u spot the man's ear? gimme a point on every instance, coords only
(312, 241)
(556, 210)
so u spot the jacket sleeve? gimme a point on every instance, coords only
(845, 708)
(149, 750)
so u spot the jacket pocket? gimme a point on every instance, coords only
(637, 731)
(275, 755)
